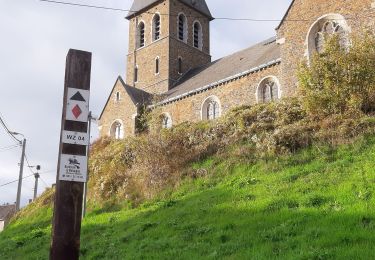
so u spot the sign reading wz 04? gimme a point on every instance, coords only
(70, 137)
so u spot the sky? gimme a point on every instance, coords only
(35, 37)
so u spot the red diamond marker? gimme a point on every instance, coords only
(77, 111)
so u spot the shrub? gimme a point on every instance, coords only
(338, 89)
(340, 80)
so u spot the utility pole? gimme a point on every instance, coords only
(72, 164)
(37, 176)
(20, 175)
(88, 156)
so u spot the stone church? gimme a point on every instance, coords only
(169, 63)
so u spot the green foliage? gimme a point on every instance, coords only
(316, 204)
(262, 182)
(338, 89)
(154, 164)
(340, 80)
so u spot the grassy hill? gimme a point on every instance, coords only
(292, 179)
(317, 204)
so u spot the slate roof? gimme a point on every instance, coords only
(138, 96)
(6, 212)
(199, 5)
(247, 61)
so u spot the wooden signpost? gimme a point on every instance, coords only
(72, 164)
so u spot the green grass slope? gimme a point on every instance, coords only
(317, 204)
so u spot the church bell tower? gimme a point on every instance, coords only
(167, 38)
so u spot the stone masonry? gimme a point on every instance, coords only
(231, 94)
(358, 14)
(237, 79)
(168, 48)
(124, 110)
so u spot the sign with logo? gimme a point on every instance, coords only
(77, 108)
(69, 137)
(73, 168)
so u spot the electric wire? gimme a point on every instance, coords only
(148, 12)
(28, 164)
(28, 176)
(8, 148)
(2, 122)
(5, 184)
(45, 183)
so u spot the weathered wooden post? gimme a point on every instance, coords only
(72, 163)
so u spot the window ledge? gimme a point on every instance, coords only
(140, 48)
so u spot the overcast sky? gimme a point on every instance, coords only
(34, 40)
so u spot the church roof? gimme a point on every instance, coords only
(250, 60)
(199, 5)
(138, 96)
(7, 211)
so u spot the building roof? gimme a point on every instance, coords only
(7, 211)
(140, 5)
(247, 61)
(138, 96)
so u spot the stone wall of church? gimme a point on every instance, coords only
(145, 57)
(359, 13)
(191, 56)
(234, 93)
(177, 7)
(168, 48)
(123, 110)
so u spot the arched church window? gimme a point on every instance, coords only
(117, 130)
(156, 27)
(211, 108)
(268, 90)
(329, 28)
(332, 24)
(182, 27)
(197, 35)
(166, 121)
(118, 96)
(141, 35)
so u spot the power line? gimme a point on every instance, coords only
(45, 183)
(89, 6)
(2, 122)
(8, 148)
(28, 176)
(28, 164)
(2, 185)
(216, 18)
